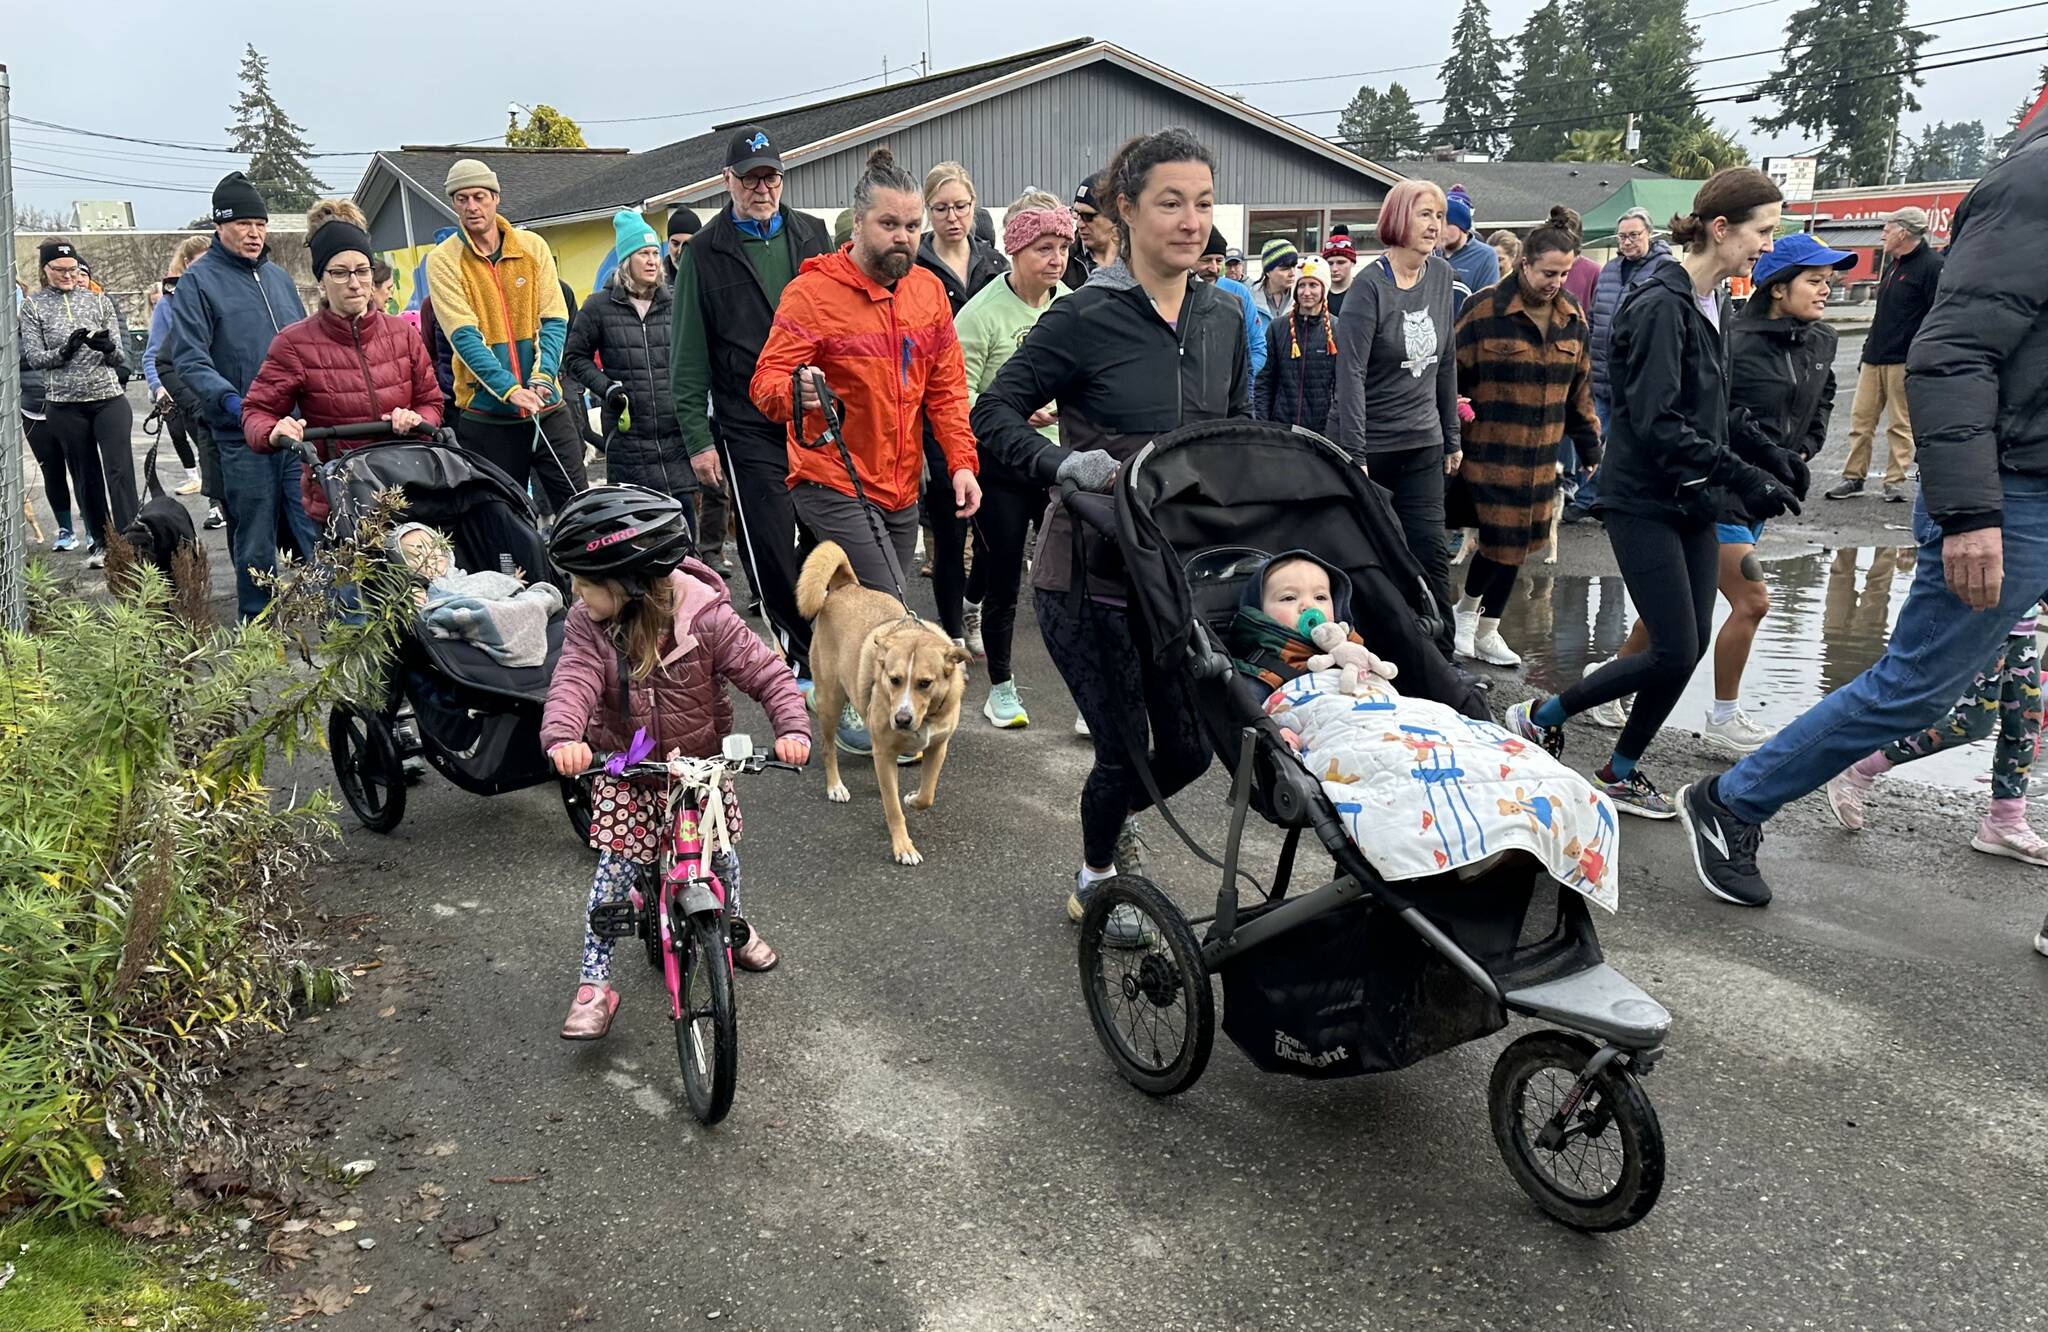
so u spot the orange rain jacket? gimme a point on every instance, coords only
(891, 356)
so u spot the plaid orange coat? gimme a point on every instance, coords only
(1530, 386)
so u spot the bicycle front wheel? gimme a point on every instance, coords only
(708, 1032)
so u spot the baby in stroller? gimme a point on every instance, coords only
(1422, 788)
(501, 613)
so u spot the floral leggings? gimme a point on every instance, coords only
(2008, 692)
(625, 833)
(614, 878)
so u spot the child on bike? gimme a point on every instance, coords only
(649, 646)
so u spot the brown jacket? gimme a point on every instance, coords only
(1530, 386)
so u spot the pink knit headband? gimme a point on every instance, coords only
(1025, 227)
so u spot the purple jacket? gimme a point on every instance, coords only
(682, 704)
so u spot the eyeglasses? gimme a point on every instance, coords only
(761, 183)
(1086, 215)
(362, 274)
(65, 270)
(951, 210)
(170, 281)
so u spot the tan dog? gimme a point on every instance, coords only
(904, 678)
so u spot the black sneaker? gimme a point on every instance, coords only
(1847, 488)
(1635, 794)
(1723, 847)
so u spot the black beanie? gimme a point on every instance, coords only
(52, 250)
(683, 222)
(235, 200)
(1217, 245)
(334, 237)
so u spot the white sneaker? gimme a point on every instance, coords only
(1492, 649)
(2041, 940)
(971, 625)
(1467, 622)
(190, 486)
(2019, 843)
(1080, 725)
(1613, 714)
(1737, 735)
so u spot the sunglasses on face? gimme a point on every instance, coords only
(170, 281)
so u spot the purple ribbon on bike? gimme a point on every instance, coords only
(635, 753)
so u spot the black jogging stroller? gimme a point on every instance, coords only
(1357, 975)
(447, 702)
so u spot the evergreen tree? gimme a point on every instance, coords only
(1382, 124)
(546, 128)
(2012, 128)
(1652, 76)
(276, 146)
(1592, 145)
(1552, 80)
(1825, 90)
(1473, 78)
(1947, 151)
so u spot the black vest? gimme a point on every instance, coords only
(737, 311)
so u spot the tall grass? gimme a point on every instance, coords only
(146, 865)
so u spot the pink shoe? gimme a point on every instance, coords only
(590, 1016)
(2013, 841)
(1846, 791)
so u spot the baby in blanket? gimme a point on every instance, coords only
(501, 613)
(1421, 787)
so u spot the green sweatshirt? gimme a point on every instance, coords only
(689, 373)
(991, 327)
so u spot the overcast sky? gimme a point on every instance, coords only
(376, 74)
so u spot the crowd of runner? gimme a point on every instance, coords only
(977, 357)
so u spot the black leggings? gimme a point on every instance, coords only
(1119, 691)
(1414, 481)
(182, 442)
(1492, 583)
(49, 455)
(949, 540)
(1670, 572)
(95, 440)
(993, 583)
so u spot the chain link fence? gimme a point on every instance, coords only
(13, 487)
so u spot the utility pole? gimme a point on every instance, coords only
(13, 553)
(927, 36)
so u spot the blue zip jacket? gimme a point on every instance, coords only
(1254, 322)
(159, 324)
(223, 317)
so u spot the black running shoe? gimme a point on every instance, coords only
(1723, 847)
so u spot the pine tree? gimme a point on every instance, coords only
(546, 128)
(276, 146)
(1947, 151)
(1824, 84)
(2012, 128)
(1473, 78)
(1361, 114)
(1652, 76)
(1382, 125)
(1552, 82)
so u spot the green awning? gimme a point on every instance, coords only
(1661, 199)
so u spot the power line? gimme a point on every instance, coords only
(108, 180)
(1581, 117)
(1747, 55)
(742, 106)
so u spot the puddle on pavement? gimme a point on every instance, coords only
(1831, 612)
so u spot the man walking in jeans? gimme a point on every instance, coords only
(1975, 376)
(1903, 299)
(499, 302)
(231, 302)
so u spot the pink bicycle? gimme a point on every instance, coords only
(690, 929)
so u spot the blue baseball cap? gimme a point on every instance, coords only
(1798, 250)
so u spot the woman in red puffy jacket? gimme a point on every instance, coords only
(346, 363)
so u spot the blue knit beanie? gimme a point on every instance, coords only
(1458, 208)
(1278, 253)
(632, 234)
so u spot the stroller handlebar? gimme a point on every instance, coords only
(312, 435)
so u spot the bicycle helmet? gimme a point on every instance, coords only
(628, 533)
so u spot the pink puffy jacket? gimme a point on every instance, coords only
(682, 704)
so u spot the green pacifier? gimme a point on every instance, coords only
(1310, 618)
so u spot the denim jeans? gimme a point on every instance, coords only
(1936, 649)
(1589, 486)
(258, 485)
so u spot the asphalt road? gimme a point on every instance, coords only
(928, 1137)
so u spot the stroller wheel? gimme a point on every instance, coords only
(1151, 1005)
(366, 765)
(1602, 1166)
(576, 803)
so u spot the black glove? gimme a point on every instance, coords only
(1790, 469)
(121, 374)
(615, 398)
(102, 341)
(1762, 495)
(74, 342)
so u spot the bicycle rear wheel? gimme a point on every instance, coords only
(708, 1033)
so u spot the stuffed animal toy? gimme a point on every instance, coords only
(1353, 661)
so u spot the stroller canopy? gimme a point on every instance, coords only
(1232, 489)
(489, 521)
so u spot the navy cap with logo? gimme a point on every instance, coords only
(750, 150)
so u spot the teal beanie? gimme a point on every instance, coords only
(632, 233)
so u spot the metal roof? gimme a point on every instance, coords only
(525, 175)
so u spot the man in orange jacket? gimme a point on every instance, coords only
(877, 330)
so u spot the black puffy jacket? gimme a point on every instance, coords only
(1781, 390)
(1298, 382)
(635, 353)
(1977, 376)
(1667, 453)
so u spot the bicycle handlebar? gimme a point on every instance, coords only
(754, 762)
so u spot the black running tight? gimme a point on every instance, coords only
(95, 440)
(1120, 692)
(1670, 572)
(948, 552)
(993, 583)
(1492, 583)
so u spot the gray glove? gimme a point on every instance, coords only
(1090, 469)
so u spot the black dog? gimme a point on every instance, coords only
(162, 528)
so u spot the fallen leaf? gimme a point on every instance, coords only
(343, 1227)
(513, 1179)
(322, 1300)
(467, 1251)
(295, 1225)
(387, 1012)
(147, 1227)
(441, 1149)
(469, 1226)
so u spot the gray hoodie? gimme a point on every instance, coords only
(47, 318)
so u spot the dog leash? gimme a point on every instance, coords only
(830, 408)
